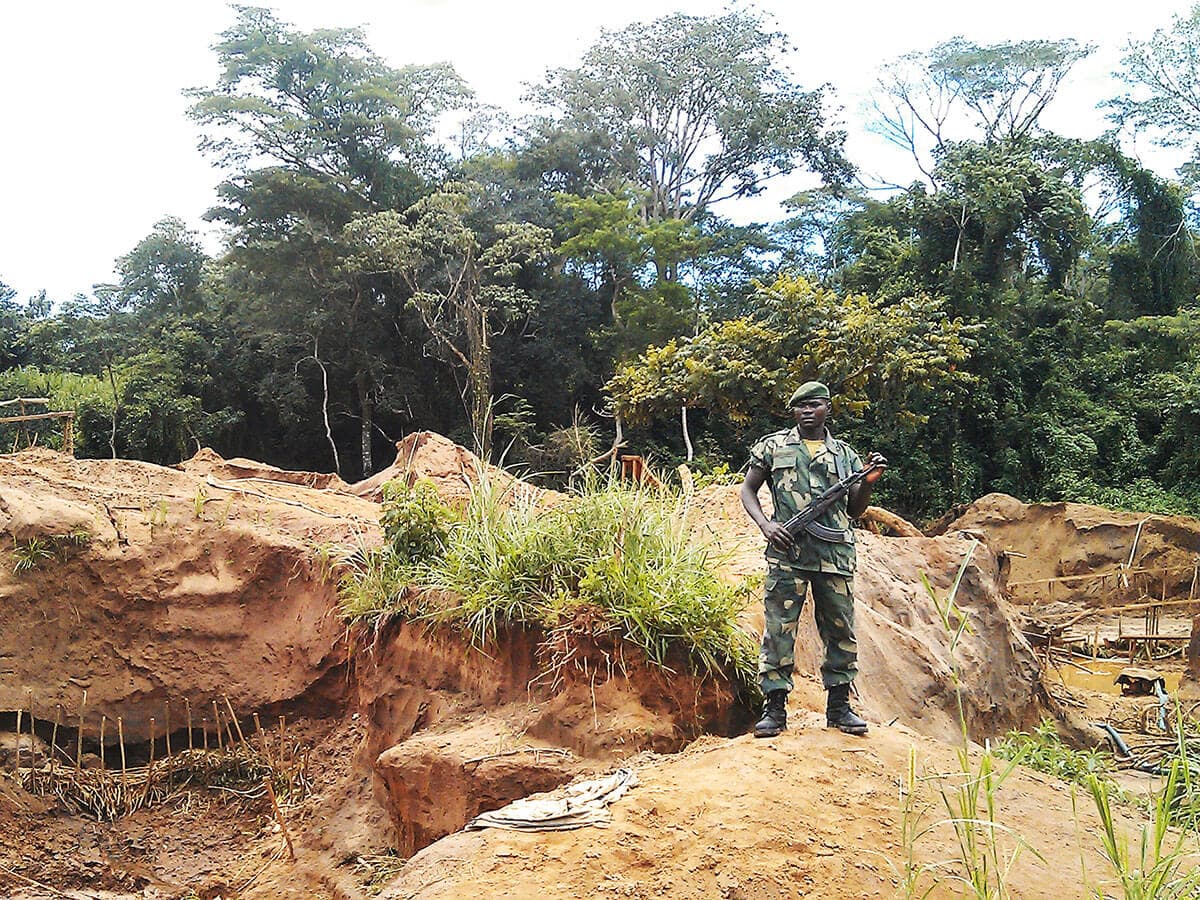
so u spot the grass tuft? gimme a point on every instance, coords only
(623, 554)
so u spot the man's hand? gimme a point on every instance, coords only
(881, 466)
(776, 534)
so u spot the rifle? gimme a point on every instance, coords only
(806, 519)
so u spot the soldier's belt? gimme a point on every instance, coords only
(832, 535)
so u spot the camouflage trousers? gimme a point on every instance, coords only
(833, 605)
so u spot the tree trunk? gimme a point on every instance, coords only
(479, 380)
(366, 406)
(687, 438)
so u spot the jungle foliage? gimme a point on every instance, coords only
(1016, 312)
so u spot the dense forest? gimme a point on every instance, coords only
(1021, 317)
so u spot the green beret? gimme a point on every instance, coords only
(810, 390)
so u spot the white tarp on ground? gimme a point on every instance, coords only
(574, 806)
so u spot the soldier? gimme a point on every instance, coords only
(799, 464)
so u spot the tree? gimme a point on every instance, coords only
(883, 357)
(1163, 74)
(690, 110)
(995, 93)
(344, 135)
(461, 279)
(162, 274)
(323, 105)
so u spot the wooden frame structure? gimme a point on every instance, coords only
(67, 417)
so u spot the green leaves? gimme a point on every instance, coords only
(867, 351)
(690, 109)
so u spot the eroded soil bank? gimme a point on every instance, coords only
(207, 584)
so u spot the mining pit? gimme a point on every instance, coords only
(184, 713)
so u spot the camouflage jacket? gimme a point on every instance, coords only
(795, 478)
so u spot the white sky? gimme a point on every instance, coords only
(95, 146)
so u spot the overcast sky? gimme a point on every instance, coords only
(96, 146)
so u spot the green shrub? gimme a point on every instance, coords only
(415, 521)
(1045, 752)
(624, 555)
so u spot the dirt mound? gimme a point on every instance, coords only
(904, 654)
(810, 813)
(209, 462)
(1047, 541)
(451, 467)
(141, 585)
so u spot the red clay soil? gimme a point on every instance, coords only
(812, 813)
(162, 587)
(451, 467)
(1052, 540)
(206, 581)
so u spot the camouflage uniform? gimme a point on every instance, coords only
(796, 477)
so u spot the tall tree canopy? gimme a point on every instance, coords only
(691, 110)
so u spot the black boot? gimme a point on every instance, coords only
(774, 717)
(838, 713)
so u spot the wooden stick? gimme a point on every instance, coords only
(103, 720)
(279, 817)
(217, 719)
(150, 769)
(188, 703)
(54, 737)
(204, 730)
(124, 768)
(17, 755)
(284, 750)
(79, 741)
(170, 758)
(262, 741)
(32, 742)
(1092, 576)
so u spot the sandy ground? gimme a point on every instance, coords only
(206, 580)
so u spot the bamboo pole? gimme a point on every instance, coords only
(124, 768)
(279, 817)
(233, 718)
(54, 737)
(217, 719)
(17, 755)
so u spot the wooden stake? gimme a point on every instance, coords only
(167, 728)
(32, 742)
(204, 731)
(188, 703)
(150, 767)
(170, 758)
(279, 817)
(54, 736)
(233, 718)
(217, 719)
(284, 753)
(103, 720)
(124, 768)
(79, 741)
(262, 741)
(17, 755)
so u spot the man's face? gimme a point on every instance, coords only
(810, 414)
